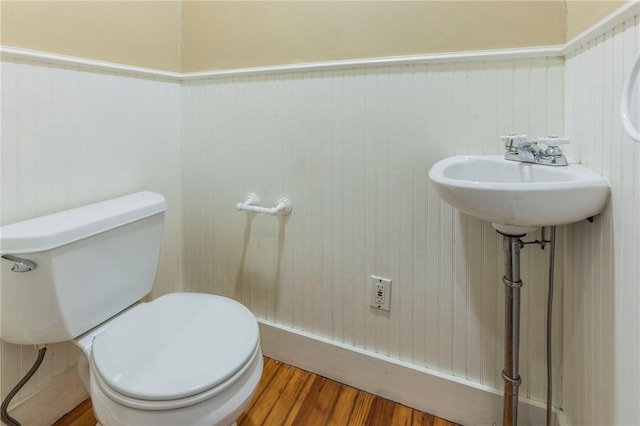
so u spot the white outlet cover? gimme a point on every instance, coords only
(385, 285)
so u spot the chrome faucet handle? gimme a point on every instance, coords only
(553, 143)
(513, 141)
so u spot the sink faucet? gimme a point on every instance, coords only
(518, 148)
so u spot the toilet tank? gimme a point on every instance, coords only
(91, 263)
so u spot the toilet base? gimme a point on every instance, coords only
(221, 410)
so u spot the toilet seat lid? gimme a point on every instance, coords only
(179, 345)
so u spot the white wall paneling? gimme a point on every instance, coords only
(71, 137)
(351, 148)
(602, 284)
(351, 145)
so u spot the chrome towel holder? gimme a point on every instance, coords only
(252, 204)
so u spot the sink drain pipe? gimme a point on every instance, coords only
(512, 245)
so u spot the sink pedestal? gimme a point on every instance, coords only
(513, 283)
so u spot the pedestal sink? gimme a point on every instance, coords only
(518, 197)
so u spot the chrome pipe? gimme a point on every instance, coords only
(513, 283)
(552, 252)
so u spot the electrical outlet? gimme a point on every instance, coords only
(380, 293)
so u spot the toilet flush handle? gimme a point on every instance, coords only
(20, 264)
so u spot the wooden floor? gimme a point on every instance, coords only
(290, 396)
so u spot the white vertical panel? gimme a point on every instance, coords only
(460, 138)
(420, 303)
(73, 137)
(472, 237)
(410, 187)
(601, 380)
(446, 235)
(352, 148)
(430, 146)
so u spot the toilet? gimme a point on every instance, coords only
(80, 275)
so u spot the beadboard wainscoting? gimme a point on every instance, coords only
(350, 145)
(601, 373)
(71, 137)
(351, 149)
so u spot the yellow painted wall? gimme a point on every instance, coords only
(140, 33)
(235, 34)
(220, 35)
(583, 14)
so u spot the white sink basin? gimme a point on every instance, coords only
(519, 197)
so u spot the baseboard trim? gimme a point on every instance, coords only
(50, 403)
(445, 396)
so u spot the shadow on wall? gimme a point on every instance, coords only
(589, 316)
(268, 285)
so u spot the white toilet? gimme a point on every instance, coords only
(182, 359)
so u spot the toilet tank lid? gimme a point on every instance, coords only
(57, 229)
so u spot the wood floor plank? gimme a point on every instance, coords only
(87, 419)
(343, 406)
(289, 396)
(402, 415)
(318, 404)
(381, 412)
(325, 402)
(268, 371)
(361, 409)
(422, 419)
(82, 415)
(267, 399)
(309, 399)
(287, 399)
(299, 402)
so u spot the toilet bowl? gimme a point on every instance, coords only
(182, 359)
